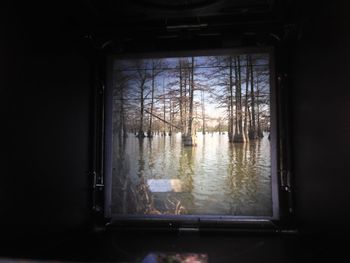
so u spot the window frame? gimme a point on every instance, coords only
(207, 221)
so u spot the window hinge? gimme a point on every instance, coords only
(98, 180)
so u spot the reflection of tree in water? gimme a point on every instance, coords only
(186, 168)
(242, 176)
(245, 190)
(235, 172)
(251, 183)
(253, 147)
(136, 196)
(140, 199)
(166, 202)
(133, 198)
(244, 181)
(186, 174)
(141, 195)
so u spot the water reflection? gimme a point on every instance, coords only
(161, 176)
(164, 185)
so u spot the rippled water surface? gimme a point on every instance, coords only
(161, 176)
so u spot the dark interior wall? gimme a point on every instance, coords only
(320, 77)
(46, 117)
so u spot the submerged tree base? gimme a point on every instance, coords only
(149, 134)
(141, 134)
(189, 140)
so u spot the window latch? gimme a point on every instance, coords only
(285, 177)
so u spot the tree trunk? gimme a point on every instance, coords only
(170, 116)
(246, 106)
(164, 124)
(190, 138)
(238, 137)
(252, 131)
(186, 76)
(141, 133)
(230, 122)
(149, 132)
(181, 101)
(259, 131)
(203, 113)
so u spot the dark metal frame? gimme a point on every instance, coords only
(215, 222)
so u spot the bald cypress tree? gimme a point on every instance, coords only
(252, 129)
(190, 140)
(238, 136)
